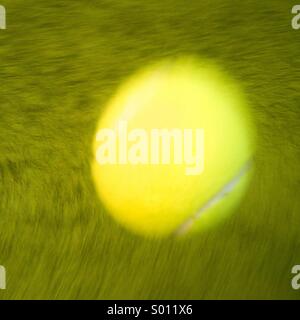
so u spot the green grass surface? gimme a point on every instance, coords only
(60, 61)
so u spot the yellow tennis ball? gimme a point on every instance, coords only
(173, 148)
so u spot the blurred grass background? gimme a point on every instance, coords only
(59, 63)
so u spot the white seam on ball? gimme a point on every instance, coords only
(215, 199)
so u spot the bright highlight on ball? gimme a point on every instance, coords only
(173, 149)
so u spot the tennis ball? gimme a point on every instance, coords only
(173, 149)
